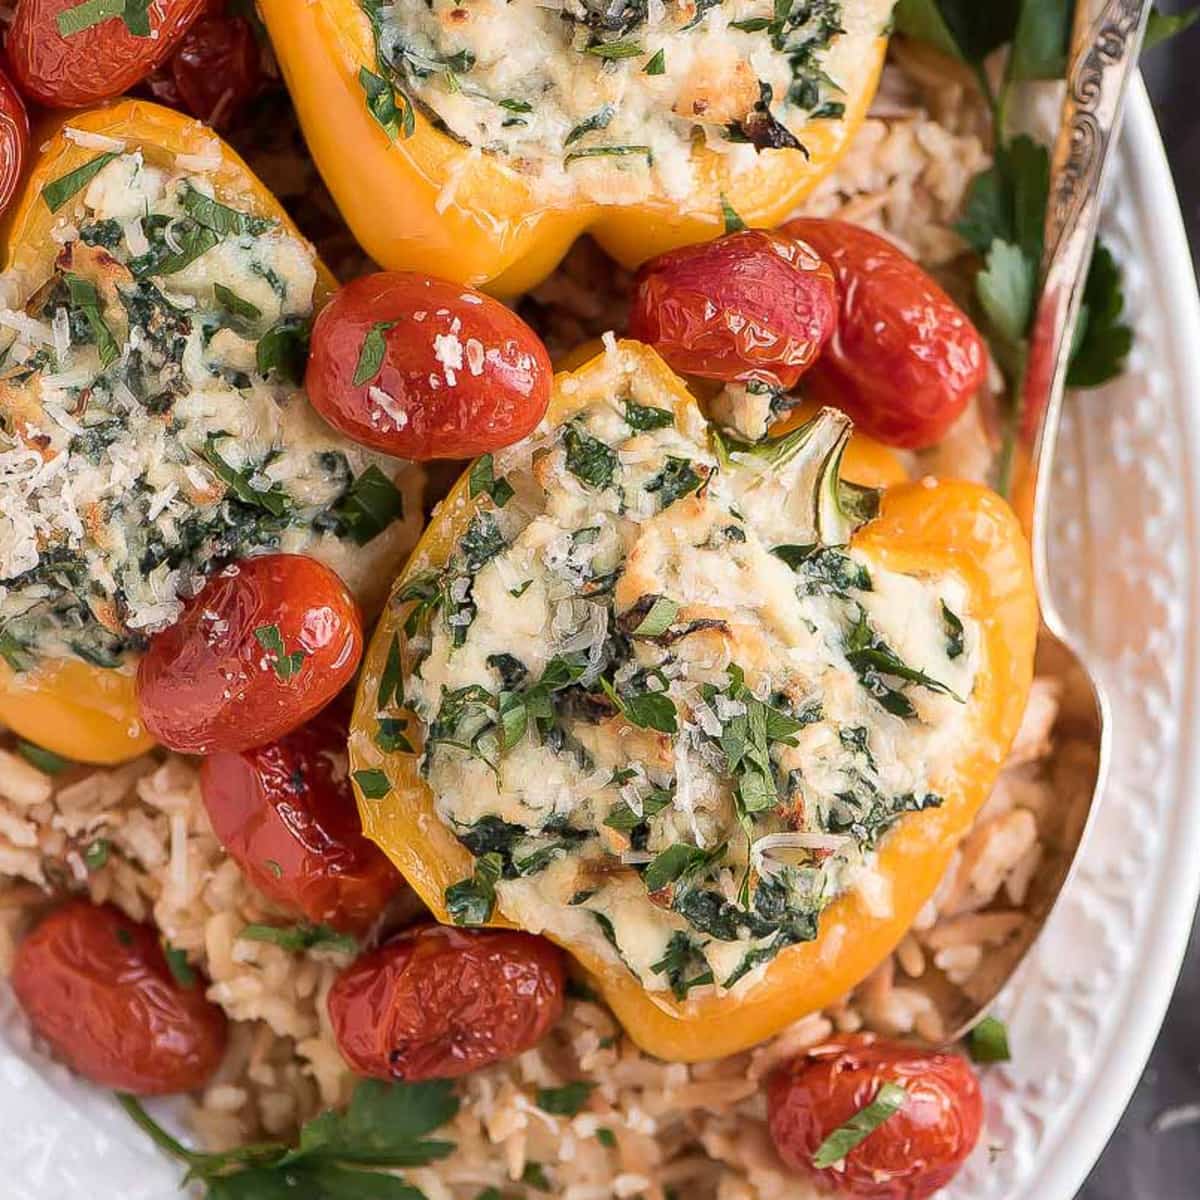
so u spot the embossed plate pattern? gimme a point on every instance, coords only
(1084, 1010)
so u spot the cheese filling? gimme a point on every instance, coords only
(667, 708)
(152, 422)
(607, 96)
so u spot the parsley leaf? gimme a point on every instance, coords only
(180, 968)
(733, 223)
(1006, 288)
(58, 191)
(676, 862)
(1102, 340)
(339, 1154)
(220, 218)
(471, 901)
(675, 480)
(988, 1042)
(371, 356)
(86, 300)
(662, 611)
(588, 458)
(614, 50)
(273, 499)
(657, 64)
(889, 1100)
(284, 350)
(954, 632)
(46, 761)
(301, 936)
(684, 965)
(564, 1101)
(285, 665)
(482, 481)
(374, 784)
(647, 710)
(642, 417)
(234, 304)
(481, 542)
(369, 506)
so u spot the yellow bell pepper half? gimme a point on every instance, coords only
(82, 712)
(495, 231)
(922, 527)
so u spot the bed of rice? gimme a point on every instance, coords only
(697, 1131)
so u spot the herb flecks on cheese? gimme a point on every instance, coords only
(606, 97)
(150, 423)
(667, 706)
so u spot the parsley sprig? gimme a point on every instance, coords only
(345, 1154)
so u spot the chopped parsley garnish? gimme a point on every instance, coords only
(675, 862)
(564, 1101)
(391, 681)
(988, 1041)
(299, 937)
(396, 120)
(647, 710)
(955, 643)
(684, 965)
(273, 498)
(86, 300)
(220, 218)
(180, 968)
(675, 480)
(610, 152)
(373, 783)
(889, 1100)
(481, 542)
(371, 356)
(234, 304)
(874, 662)
(471, 901)
(285, 664)
(77, 18)
(623, 819)
(662, 611)
(614, 50)
(825, 569)
(369, 506)
(97, 853)
(350, 1154)
(643, 417)
(588, 458)
(598, 120)
(283, 349)
(60, 190)
(657, 64)
(46, 761)
(733, 223)
(482, 481)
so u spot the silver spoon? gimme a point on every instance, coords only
(1105, 45)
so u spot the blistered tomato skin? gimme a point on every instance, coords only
(216, 69)
(460, 375)
(436, 1003)
(914, 1152)
(286, 815)
(96, 986)
(96, 63)
(264, 646)
(753, 305)
(14, 139)
(905, 359)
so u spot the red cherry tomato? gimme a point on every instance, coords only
(905, 359)
(434, 1002)
(914, 1152)
(454, 373)
(95, 63)
(286, 815)
(217, 69)
(266, 644)
(752, 306)
(96, 986)
(14, 139)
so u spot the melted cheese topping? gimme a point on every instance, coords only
(152, 426)
(670, 722)
(605, 97)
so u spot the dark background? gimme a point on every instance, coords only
(1141, 1163)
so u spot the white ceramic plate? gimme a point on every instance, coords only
(1085, 1009)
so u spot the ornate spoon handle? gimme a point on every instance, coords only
(1105, 44)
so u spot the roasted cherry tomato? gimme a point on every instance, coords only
(96, 986)
(217, 69)
(65, 66)
(436, 1002)
(912, 1153)
(286, 815)
(751, 306)
(265, 645)
(422, 368)
(14, 139)
(905, 359)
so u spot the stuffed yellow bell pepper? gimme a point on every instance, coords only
(149, 423)
(477, 141)
(712, 715)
